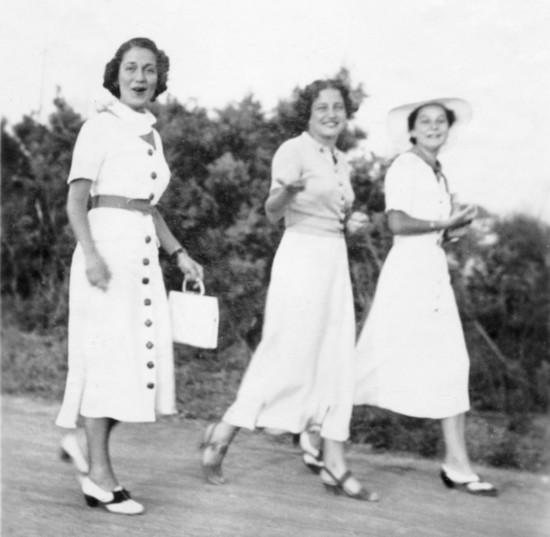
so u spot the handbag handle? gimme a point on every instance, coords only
(198, 282)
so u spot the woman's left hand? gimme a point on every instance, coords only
(356, 222)
(190, 268)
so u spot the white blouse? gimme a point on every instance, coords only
(110, 152)
(328, 194)
(412, 187)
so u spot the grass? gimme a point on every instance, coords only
(207, 381)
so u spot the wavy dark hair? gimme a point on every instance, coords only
(110, 76)
(411, 119)
(308, 95)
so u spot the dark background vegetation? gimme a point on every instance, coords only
(220, 164)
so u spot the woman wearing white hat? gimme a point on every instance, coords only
(411, 354)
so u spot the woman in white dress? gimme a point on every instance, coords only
(120, 345)
(301, 375)
(411, 354)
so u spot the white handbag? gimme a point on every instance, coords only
(194, 317)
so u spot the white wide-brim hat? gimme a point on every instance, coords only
(397, 120)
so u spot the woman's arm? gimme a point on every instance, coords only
(186, 264)
(400, 223)
(97, 271)
(279, 198)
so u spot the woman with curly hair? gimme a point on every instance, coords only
(120, 344)
(301, 375)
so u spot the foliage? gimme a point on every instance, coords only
(220, 163)
(36, 240)
(502, 291)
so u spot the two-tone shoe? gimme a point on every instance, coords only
(471, 483)
(117, 501)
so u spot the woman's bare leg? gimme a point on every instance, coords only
(456, 453)
(98, 432)
(334, 460)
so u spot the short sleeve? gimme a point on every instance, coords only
(89, 151)
(286, 165)
(399, 187)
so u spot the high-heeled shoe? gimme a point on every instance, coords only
(118, 501)
(473, 484)
(311, 456)
(338, 487)
(69, 451)
(212, 471)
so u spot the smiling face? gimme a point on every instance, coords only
(328, 116)
(431, 128)
(137, 78)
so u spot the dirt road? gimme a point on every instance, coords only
(270, 493)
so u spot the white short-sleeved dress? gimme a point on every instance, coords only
(120, 345)
(301, 374)
(411, 357)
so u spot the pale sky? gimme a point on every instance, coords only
(494, 53)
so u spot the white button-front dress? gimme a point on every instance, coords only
(301, 375)
(120, 345)
(411, 357)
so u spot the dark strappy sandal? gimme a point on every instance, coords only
(213, 471)
(311, 456)
(338, 488)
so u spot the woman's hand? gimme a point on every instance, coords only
(462, 217)
(190, 268)
(293, 187)
(97, 271)
(356, 222)
(279, 198)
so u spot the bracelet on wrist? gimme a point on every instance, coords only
(178, 251)
(289, 190)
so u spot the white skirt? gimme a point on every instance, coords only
(120, 345)
(301, 374)
(411, 357)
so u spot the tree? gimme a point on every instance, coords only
(220, 163)
(36, 242)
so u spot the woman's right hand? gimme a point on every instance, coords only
(462, 217)
(97, 271)
(293, 187)
(279, 198)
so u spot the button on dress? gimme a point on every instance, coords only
(411, 356)
(301, 374)
(120, 345)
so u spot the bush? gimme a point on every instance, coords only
(496, 439)
(220, 165)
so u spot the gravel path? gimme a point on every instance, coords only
(269, 493)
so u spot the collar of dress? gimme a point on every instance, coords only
(435, 166)
(322, 148)
(139, 123)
